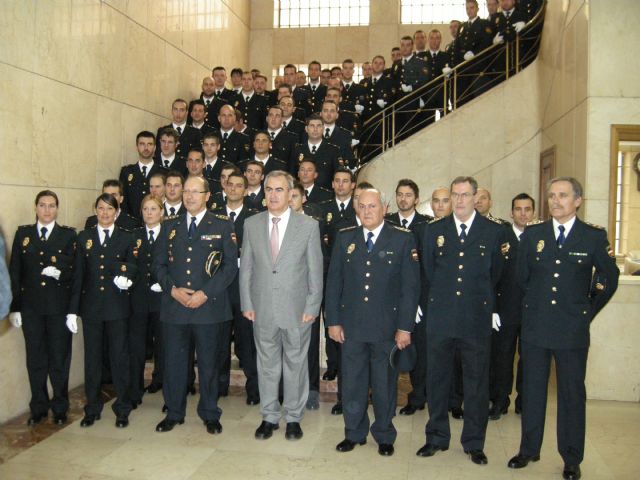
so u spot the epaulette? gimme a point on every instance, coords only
(402, 229)
(437, 219)
(326, 190)
(326, 201)
(535, 221)
(346, 229)
(497, 220)
(221, 216)
(333, 145)
(599, 227)
(139, 230)
(67, 227)
(24, 226)
(420, 222)
(342, 128)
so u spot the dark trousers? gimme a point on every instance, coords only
(503, 351)
(138, 326)
(314, 357)
(475, 354)
(456, 392)
(418, 395)
(246, 350)
(156, 330)
(206, 340)
(367, 364)
(571, 366)
(224, 374)
(116, 332)
(48, 347)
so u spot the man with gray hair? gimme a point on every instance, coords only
(281, 292)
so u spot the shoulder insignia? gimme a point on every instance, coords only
(437, 219)
(67, 227)
(24, 226)
(221, 216)
(535, 221)
(346, 229)
(599, 227)
(402, 229)
(497, 220)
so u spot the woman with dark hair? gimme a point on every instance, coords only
(100, 295)
(145, 302)
(41, 275)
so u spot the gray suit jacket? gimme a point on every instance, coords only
(281, 294)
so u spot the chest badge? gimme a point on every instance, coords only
(440, 240)
(540, 246)
(25, 242)
(89, 244)
(351, 248)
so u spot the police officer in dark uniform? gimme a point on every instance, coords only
(556, 260)
(104, 273)
(373, 288)
(335, 134)
(195, 262)
(252, 105)
(407, 198)
(188, 137)
(262, 153)
(439, 63)
(290, 122)
(135, 177)
(212, 100)
(41, 271)
(462, 259)
(312, 193)
(168, 157)
(145, 303)
(123, 219)
(317, 91)
(234, 146)
(283, 141)
(506, 26)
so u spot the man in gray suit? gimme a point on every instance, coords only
(281, 292)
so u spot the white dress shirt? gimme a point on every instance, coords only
(467, 223)
(48, 226)
(567, 227)
(376, 233)
(101, 233)
(198, 216)
(282, 225)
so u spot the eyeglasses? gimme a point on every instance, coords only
(191, 192)
(464, 196)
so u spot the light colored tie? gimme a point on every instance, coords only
(275, 240)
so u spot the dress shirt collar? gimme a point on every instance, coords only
(567, 227)
(330, 127)
(517, 231)
(346, 202)
(155, 230)
(198, 216)
(376, 232)
(168, 159)
(211, 162)
(101, 232)
(48, 226)
(237, 210)
(247, 94)
(275, 132)
(181, 125)
(148, 165)
(228, 132)
(468, 223)
(409, 219)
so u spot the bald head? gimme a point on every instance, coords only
(483, 201)
(441, 202)
(370, 208)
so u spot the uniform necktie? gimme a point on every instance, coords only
(306, 194)
(508, 14)
(106, 237)
(43, 234)
(342, 207)
(369, 242)
(192, 227)
(179, 130)
(463, 232)
(151, 239)
(252, 196)
(144, 171)
(313, 89)
(404, 61)
(404, 222)
(208, 170)
(232, 215)
(275, 239)
(313, 149)
(273, 136)
(284, 124)
(166, 163)
(327, 133)
(225, 135)
(207, 103)
(561, 237)
(172, 211)
(247, 99)
(346, 87)
(375, 80)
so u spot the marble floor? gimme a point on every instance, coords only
(188, 452)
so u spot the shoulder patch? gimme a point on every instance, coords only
(599, 227)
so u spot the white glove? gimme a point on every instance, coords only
(156, 288)
(123, 283)
(16, 319)
(406, 88)
(419, 315)
(421, 103)
(381, 103)
(495, 322)
(52, 272)
(354, 142)
(469, 55)
(447, 70)
(498, 39)
(359, 108)
(518, 26)
(72, 322)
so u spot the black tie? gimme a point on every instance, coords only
(179, 129)
(369, 241)
(252, 196)
(284, 124)
(341, 208)
(192, 227)
(375, 80)
(151, 239)
(508, 14)
(273, 136)
(306, 194)
(346, 87)
(144, 171)
(225, 135)
(106, 237)
(313, 149)
(172, 211)
(404, 222)
(313, 89)
(207, 103)
(327, 133)
(561, 237)
(208, 170)
(43, 234)
(166, 163)
(463, 232)
(247, 99)
(233, 216)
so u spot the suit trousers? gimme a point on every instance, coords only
(367, 364)
(475, 354)
(177, 339)
(418, 394)
(245, 348)
(48, 347)
(503, 351)
(116, 332)
(139, 323)
(282, 353)
(571, 367)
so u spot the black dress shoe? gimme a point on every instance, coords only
(223, 393)
(330, 375)
(122, 422)
(251, 401)
(337, 409)
(89, 420)
(213, 427)
(571, 472)
(347, 445)
(60, 418)
(457, 413)
(192, 389)
(496, 411)
(135, 403)
(429, 450)
(478, 457)
(167, 425)
(165, 409)
(410, 409)
(521, 461)
(153, 388)
(36, 419)
(293, 432)
(265, 430)
(385, 449)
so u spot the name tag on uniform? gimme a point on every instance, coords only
(579, 254)
(209, 237)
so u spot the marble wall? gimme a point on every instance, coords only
(79, 79)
